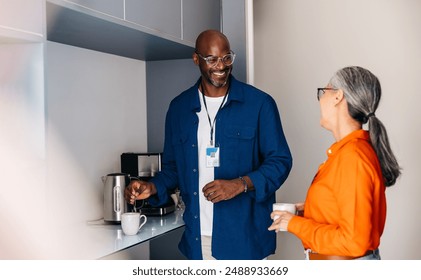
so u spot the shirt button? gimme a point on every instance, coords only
(195, 216)
(197, 238)
(194, 170)
(193, 145)
(195, 193)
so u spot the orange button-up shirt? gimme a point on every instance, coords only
(345, 208)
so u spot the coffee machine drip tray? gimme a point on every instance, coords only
(145, 208)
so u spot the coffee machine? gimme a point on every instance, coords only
(144, 166)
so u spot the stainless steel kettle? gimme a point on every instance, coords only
(114, 202)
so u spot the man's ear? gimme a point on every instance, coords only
(195, 58)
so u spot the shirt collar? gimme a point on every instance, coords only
(357, 134)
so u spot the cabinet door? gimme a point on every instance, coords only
(199, 15)
(163, 16)
(110, 7)
(22, 20)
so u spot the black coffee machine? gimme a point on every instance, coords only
(144, 166)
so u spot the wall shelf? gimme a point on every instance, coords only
(13, 36)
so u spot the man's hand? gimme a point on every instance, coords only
(220, 190)
(137, 190)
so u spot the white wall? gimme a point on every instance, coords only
(66, 115)
(22, 150)
(96, 110)
(299, 44)
(22, 128)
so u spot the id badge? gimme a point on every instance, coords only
(212, 157)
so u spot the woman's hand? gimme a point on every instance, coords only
(281, 220)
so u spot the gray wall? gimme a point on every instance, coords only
(298, 46)
(234, 27)
(166, 79)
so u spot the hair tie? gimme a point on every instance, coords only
(370, 115)
(367, 117)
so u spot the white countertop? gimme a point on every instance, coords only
(98, 239)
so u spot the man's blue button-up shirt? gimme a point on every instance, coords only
(251, 141)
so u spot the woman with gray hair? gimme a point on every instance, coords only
(344, 212)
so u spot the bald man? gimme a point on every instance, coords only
(226, 151)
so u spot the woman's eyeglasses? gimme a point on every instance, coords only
(321, 91)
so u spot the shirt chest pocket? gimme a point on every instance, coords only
(240, 132)
(180, 151)
(239, 141)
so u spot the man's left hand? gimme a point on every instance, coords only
(220, 190)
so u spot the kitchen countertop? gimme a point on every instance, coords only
(99, 239)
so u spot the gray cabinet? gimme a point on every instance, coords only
(183, 19)
(109, 7)
(141, 29)
(76, 25)
(199, 15)
(165, 247)
(162, 16)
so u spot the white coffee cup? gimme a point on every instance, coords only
(130, 222)
(289, 207)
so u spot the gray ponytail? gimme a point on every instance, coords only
(363, 92)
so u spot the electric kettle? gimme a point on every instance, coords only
(114, 202)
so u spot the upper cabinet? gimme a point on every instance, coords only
(140, 29)
(199, 15)
(110, 7)
(161, 16)
(27, 27)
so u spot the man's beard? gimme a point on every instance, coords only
(215, 82)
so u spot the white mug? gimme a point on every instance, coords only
(289, 207)
(130, 222)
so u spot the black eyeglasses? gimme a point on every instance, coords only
(321, 91)
(212, 60)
